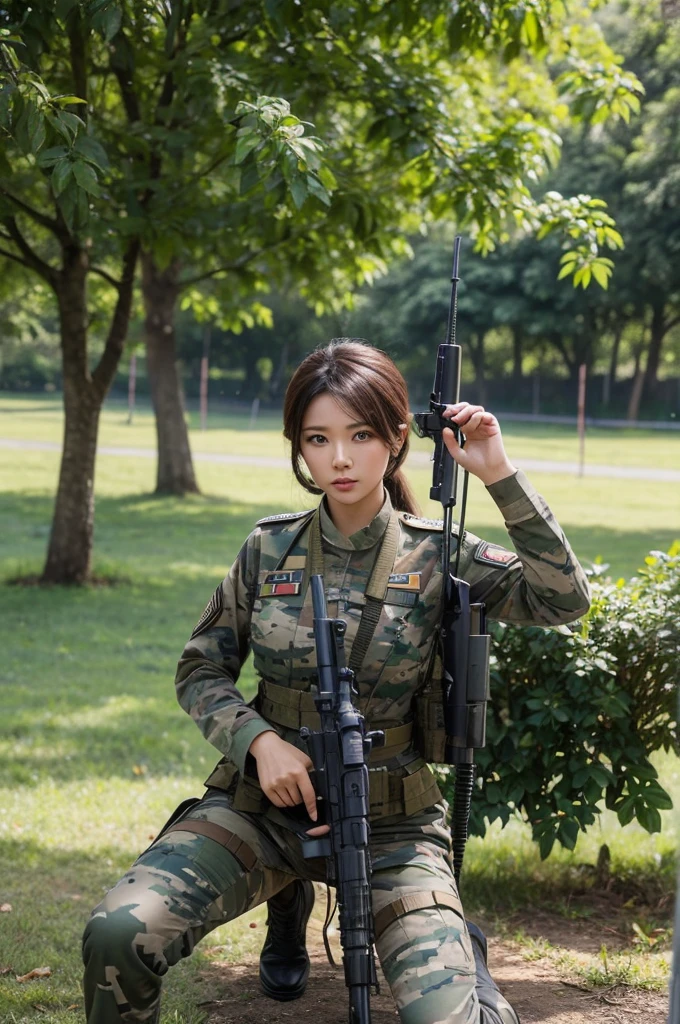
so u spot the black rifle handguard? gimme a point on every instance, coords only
(340, 751)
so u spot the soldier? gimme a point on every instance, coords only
(346, 417)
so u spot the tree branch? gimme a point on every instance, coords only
(33, 261)
(40, 218)
(113, 349)
(107, 277)
(245, 260)
(13, 256)
(669, 324)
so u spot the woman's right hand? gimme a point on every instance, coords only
(283, 772)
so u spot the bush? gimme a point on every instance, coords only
(576, 712)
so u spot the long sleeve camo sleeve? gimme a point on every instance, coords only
(211, 662)
(541, 582)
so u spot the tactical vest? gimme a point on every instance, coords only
(402, 784)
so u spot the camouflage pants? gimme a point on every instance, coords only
(185, 885)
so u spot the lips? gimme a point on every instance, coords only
(344, 480)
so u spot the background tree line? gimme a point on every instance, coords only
(170, 148)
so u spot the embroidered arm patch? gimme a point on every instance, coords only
(212, 612)
(493, 554)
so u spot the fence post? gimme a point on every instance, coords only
(581, 417)
(132, 386)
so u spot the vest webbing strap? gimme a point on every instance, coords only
(229, 840)
(410, 902)
(295, 708)
(377, 585)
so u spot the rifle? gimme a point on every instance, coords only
(465, 644)
(340, 752)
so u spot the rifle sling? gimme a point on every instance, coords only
(376, 589)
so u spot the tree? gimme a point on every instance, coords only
(72, 208)
(422, 115)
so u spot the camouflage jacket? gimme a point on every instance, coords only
(540, 582)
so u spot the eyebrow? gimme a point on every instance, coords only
(350, 426)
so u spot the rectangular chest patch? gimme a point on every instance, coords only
(493, 554)
(404, 581)
(284, 583)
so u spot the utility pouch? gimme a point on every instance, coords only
(430, 734)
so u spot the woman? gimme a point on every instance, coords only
(346, 416)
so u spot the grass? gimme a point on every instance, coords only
(94, 752)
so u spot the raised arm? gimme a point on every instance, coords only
(541, 582)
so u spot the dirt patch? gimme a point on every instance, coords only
(539, 991)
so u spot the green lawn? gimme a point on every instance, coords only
(94, 752)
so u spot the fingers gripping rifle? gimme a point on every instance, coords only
(464, 641)
(340, 752)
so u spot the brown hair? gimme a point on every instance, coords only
(364, 381)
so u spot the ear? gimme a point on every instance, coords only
(403, 431)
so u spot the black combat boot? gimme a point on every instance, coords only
(495, 1009)
(284, 962)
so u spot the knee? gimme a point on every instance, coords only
(109, 935)
(116, 939)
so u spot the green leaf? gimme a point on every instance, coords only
(545, 844)
(648, 817)
(601, 274)
(86, 177)
(298, 190)
(49, 157)
(92, 151)
(64, 7)
(247, 140)
(65, 101)
(61, 176)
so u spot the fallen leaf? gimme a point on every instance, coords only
(5, 908)
(73, 1006)
(39, 1006)
(37, 972)
(5, 970)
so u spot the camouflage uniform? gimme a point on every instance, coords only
(187, 883)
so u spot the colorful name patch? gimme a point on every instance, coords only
(494, 554)
(404, 581)
(281, 584)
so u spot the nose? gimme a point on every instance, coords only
(341, 458)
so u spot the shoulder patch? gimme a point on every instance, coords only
(212, 612)
(418, 523)
(493, 554)
(284, 517)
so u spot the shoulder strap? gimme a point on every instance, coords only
(377, 584)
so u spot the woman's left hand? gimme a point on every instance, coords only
(484, 453)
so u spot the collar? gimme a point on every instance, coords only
(363, 539)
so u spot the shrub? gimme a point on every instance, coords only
(576, 712)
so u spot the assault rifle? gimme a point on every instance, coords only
(340, 752)
(464, 642)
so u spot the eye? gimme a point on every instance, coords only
(315, 439)
(363, 435)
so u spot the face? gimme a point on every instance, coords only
(344, 455)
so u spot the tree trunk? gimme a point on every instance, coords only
(658, 332)
(478, 360)
(614, 360)
(517, 342)
(70, 546)
(638, 381)
(160, 290)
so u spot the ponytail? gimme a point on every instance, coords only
(400, 493)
